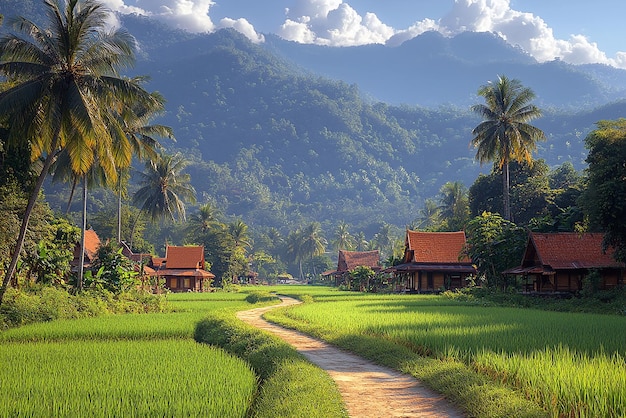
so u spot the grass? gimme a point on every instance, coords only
(570, 364)
(291, 386)
(123, 378)
(149, 365)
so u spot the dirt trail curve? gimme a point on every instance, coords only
(368, 390)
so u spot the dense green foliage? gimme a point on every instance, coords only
(605, 195)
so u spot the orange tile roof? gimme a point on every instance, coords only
(348, 260)
(436, 247)
(191, 257)
(92, 243)
(571, 250)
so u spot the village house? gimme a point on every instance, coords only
(559, 262)
(433, 261)
(182, 269)
(349, 260)
(92, 243)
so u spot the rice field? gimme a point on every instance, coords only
(125, 365)
(572, 364)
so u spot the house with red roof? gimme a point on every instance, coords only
(182, 269)
(349, 260)
(433, 261)
(92, 243)
(559, 262)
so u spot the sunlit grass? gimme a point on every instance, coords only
(570, 363)
(123, 378)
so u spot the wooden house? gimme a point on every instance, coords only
(433, 261)
(558, 262)
(349, 260)
(182, 269)
(92, 244)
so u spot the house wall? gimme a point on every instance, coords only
(425, 281)
(572, 280)
(182, 284)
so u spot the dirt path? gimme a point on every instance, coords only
(368, 390)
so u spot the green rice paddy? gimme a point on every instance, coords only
(125, 365)
(571, 364)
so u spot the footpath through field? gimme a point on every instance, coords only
(368, 390)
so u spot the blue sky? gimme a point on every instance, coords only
(576, 31)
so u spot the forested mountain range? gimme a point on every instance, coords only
(282, 134)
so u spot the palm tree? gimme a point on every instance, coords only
(361, 242)
(204, 220)
(454, 205)
(343, 239)
(239, 231)
(312, 243)
(64, 79)
(504, 135)
(164, 188)
(429, 215)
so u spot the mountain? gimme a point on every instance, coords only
(430, 70)
(278, 139)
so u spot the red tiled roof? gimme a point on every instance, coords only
(349, 260)
(436, 247)
(571, 250)
(92, 243)
(184, 257)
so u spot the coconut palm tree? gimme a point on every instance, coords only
(312, 241)
(64, 77)
(204, 220)
(505, 135)
(454, 205)
(165, 188)
(343, 239)
(239, 231)
(361, 242)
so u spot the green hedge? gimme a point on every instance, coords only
(290, 385)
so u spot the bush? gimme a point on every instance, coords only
(47, 303)
(260, 296)
(290, 384)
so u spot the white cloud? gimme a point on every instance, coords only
(334, 23)
(526, 30)
(190, 15)
(244, 27)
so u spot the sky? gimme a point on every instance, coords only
(575, 31)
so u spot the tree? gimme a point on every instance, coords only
(604, 199)
(454, 208)
(63, 82)
(343, 239)
(164, 189)
(494, 245)
(429, 216)
(505, 135)
(239, 231)
(202, 221)
(306, 243)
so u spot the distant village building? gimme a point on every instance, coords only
(433, 261)
(349, 260)
(92, 244)
(182, 269)
(559, 262)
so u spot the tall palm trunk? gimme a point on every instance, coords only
(81, 265)
(506, 198)
(29, 209)
(119, 210)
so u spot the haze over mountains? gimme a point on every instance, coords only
(281, 134)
